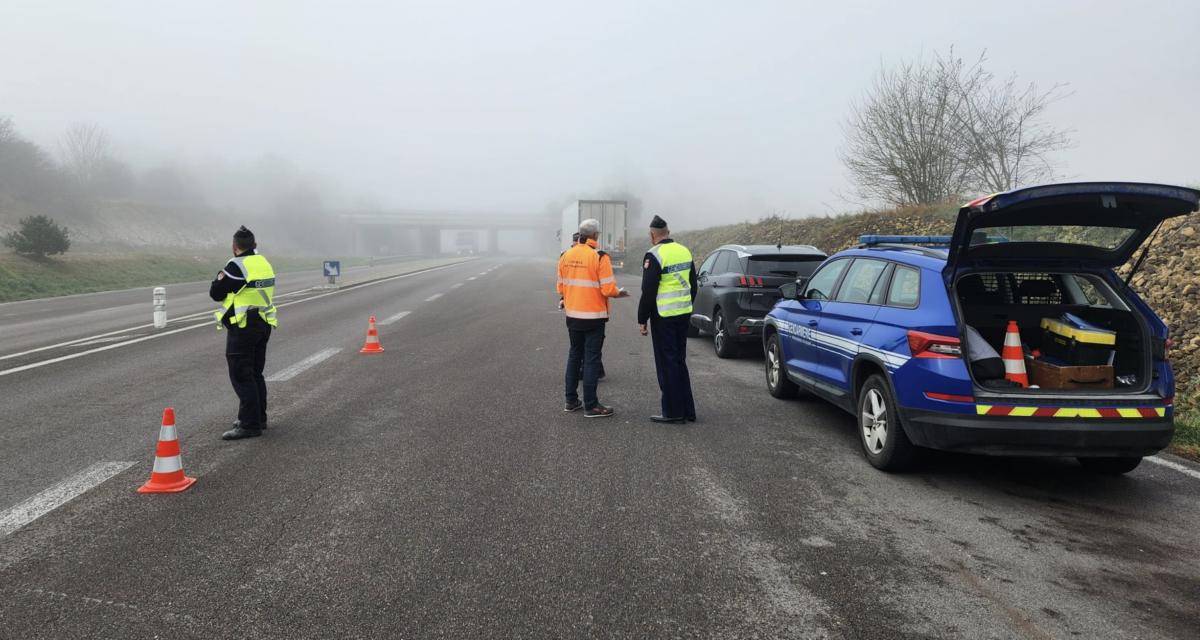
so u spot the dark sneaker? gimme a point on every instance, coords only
(573, 406)
(598, 411)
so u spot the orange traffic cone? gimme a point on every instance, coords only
(1014, 356)
(372, 344)
(167, 476)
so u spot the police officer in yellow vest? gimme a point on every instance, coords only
(246, 289)
(668, 289)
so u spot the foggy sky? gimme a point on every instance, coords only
(713, 111)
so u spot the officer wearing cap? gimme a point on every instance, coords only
(668, 289)
(246, 289)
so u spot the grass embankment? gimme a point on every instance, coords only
(24, 278)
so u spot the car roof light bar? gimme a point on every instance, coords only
(937, 241)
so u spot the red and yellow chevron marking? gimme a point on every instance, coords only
(1070, 412)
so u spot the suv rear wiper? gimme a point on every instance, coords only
(783, 273)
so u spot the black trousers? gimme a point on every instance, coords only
(670, 360)
(583, 364)
(246, 354)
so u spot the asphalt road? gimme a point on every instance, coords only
(438, 490)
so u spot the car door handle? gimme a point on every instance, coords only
(856, 331)
(812, 323)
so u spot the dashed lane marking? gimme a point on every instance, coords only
(57, 495)
(1170, 464)
(433, 297)
(303, 365)
(391, 319)
(35, 365)
(471, 278)
(456, 285)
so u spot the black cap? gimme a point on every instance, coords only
(658, 223)
(243, 232)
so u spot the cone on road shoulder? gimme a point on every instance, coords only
(1014, 356)
(372, 344)
(167, 476)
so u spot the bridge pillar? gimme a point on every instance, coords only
(493, 243)
(431, 240)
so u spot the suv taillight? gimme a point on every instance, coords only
(929, 345)
(750, 281)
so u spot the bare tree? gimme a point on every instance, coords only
(936, 129)
(902, 138)
(1007, 143)
(85, 150)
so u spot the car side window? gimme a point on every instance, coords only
(860, 281)
(722, 263)
(906, 288)
(706, 266)
(881, 287)
(820, 287)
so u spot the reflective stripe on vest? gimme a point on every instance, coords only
(674, 296)
(258, 294)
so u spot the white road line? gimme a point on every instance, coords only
(57, 495)
(483, 273)
(394, 318)
(433, 297)
(303, 365)
(1185, 470)
(152, 336)
(471, 278)
(456, 285)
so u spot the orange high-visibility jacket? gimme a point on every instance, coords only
(585, 282)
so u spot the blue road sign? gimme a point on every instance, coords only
(333, 268)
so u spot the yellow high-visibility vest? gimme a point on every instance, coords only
(257, 294)
(674, 286)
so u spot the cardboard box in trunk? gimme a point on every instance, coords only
(1049, 376)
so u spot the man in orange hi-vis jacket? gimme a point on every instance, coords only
(586, 282)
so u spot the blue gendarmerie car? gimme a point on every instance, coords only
(886, 331)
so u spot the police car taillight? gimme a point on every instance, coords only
(930, 345)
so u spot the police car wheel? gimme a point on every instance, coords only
(778, 383)
(724, 347)
(1111, 466)
(883, 440)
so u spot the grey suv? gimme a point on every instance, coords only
(738, 285)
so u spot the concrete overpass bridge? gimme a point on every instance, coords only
(393, 232)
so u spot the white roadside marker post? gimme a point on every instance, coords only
(160, 307)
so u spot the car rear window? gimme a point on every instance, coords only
(789, 266)
(1107, 238)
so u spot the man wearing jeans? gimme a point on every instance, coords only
(585, 283)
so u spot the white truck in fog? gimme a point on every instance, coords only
(610, 213)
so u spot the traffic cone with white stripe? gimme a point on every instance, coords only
(372, 344)
(167, 476)
(1014, 355)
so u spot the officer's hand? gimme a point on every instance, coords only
(622, 293)
(643, 329)
(560, 304)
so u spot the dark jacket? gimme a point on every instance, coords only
(651, 276)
